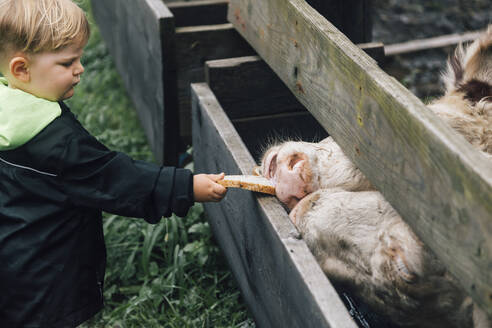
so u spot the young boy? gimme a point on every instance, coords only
(55, 178)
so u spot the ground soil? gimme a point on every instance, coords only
(396, 21)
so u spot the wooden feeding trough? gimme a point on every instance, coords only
(159, 49)
(311, 79)
(440, 185)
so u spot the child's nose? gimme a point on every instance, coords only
(79, 69)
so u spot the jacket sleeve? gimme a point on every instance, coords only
(96, 177)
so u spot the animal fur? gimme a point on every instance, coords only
(467, 103)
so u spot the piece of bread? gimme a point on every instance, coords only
(249, 182)
(257, 171)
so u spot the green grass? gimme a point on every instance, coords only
(171, 274)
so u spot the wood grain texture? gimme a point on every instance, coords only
(136, 32)
(438, 183)
(278, 276)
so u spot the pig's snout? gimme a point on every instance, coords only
(292, 184)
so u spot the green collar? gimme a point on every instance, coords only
(22, 116)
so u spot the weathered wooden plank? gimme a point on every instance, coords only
(351, 17)
(201, 12)
(278, 276)
(136, 33)
(430, 43)
(439, 184)
(194, 46)
(247, 87)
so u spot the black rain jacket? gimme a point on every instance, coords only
(52, 191)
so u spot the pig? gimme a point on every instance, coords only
(363, 245)
(359, 240)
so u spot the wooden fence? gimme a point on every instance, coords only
(309, 80)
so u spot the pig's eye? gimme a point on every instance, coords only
(294, 160)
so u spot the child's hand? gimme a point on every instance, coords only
(205, 188)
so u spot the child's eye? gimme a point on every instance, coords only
(67, 64)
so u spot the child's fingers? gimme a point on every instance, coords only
(219, 190)
(217, 177)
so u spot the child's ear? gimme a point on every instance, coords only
(19, 68)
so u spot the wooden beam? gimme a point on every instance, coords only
(199, 12)
(280, 280)
(438, 183)
(430, 43)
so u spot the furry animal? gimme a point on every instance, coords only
(300, 168)
(467, 103)
(359, 240)
(363, 245)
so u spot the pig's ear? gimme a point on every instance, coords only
(270, 167)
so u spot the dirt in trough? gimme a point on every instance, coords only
(396, 21)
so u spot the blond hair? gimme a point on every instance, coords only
(34, 26)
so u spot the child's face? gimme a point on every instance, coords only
(53, 75)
